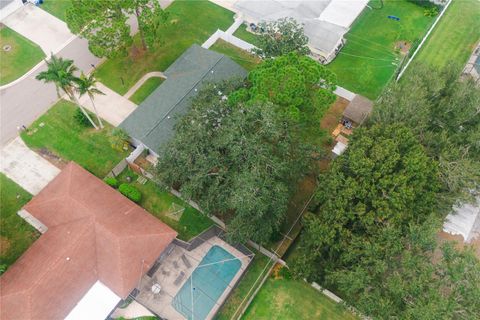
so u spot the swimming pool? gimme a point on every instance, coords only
(206, 284)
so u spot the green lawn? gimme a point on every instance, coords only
(245, 35)
(189, 22)
(16, 235)
(455, 36)
(240, 292)
(282, 299)
(62, 136)
(58, 8)
(22, 57)
(242, 57)
(369, 59)
(158, 201)
(146, 89)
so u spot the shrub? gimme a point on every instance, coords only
(81, 118)
(130, 192)
(111, 181)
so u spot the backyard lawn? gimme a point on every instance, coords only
(158, 202)
(58, 8)
(285, 299)
(242, 57)
(189, 22)
(245, 35)
(240, 292)
(57, 135)
(455, 36)
(16, 235)
(371, 56)
(146, 89)
(22, 55)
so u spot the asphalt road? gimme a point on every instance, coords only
(25, 101)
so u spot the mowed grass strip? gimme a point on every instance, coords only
(22, 56)
(158, 202)
(454, 37)
(286, 299)
(58, 133)
(242, 57)
(247, 36)
(16, 235)
(146, 89)
(369, 59)
(57, 8)
(240, 292)
(189, 22)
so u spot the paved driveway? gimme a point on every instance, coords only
(49, 32)
(26, 167)
(112, 107)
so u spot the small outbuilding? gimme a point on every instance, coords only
(357, 111)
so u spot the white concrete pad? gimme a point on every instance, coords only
(26, 167)
(49, 32)
(112, 107)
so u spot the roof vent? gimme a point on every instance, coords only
(68, 259)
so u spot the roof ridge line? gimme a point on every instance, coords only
(222, 56)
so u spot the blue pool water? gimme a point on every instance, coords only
(206, 284)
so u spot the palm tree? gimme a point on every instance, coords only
(60, 72)
(86, 85)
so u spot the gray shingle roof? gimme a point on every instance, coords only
(153, 121)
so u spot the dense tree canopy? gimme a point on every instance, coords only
(235, 160)
(104, 23)
(280, 37)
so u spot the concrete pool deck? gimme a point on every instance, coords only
(169, 277)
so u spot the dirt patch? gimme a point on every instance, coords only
(4, 245)
(52, 158)
(333, 115)
(403, 47)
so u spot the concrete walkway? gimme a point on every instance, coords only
(344, 93)
(154, 74)
(26, 167)
(112, 107)
(37, 25)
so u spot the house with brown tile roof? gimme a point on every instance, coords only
(96, 247)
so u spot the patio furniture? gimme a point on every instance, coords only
(186, 262)
(175, 264)
(179, 278)
(156, 288)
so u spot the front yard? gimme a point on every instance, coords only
(189, 22)
(58, 8)
(375, 44)
(16, 235)
(454, 37)
(17, 55)
(58, 137)
(285, 299)
(158, 202)
(146, 89)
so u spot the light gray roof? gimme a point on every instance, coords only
(153, 121)
(358, 109)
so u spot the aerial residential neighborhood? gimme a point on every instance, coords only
(239, 159)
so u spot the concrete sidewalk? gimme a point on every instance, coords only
(37, 25)
(112, 107)
(26, 167)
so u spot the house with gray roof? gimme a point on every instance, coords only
(152, 124)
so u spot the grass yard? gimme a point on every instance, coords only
(370, 58)
(245, 35)
(146, 89)
(58, 8)
(242, 57)
(454, 37)
(240, 292)
(22, 56)
(285, 299)
(189, 22)
(56, 134)
(16, 235)
(158, 201)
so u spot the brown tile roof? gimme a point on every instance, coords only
(94, 233)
